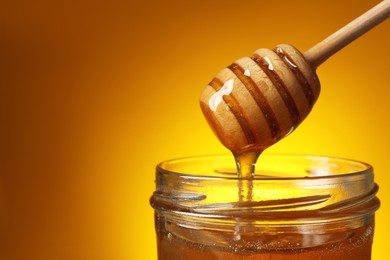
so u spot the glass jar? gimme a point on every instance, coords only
(295, 207)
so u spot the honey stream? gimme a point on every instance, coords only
(246, 166)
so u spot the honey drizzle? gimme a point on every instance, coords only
(246, 166)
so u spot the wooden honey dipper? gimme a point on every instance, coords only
(258, 100)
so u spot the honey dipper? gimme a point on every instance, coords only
(258, 100)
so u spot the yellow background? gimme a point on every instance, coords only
(95, 93)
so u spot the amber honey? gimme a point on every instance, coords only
(352, 245)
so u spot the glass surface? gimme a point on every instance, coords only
(295, 207)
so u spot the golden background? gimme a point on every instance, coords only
(95, 93)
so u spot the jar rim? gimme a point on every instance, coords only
(321, 167)
(286, 188)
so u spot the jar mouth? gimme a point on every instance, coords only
(285, 188)
(269, 167)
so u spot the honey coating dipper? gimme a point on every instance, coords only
(258, 100)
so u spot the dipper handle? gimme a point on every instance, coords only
(319, 53)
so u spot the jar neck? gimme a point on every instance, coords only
(344, 193)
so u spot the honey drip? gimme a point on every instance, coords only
(246, 166)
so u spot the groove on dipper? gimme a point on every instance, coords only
(236, 110)
(281, 88)
(307, 90)
(259, 98)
